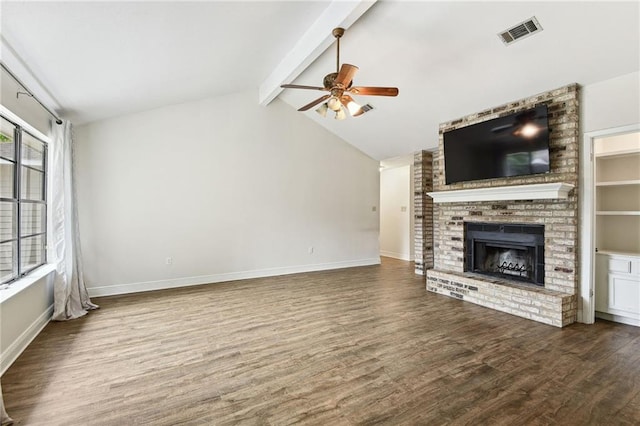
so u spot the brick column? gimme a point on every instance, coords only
(423, 211)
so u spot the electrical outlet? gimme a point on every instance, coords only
(169, 260)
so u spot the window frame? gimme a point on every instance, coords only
(18, 201)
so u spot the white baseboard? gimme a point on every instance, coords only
(618, 318)
(20, 344)
(111, 290)
(401, 256)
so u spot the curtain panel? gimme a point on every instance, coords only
(71, 299)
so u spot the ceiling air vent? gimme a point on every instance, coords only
(520, 31)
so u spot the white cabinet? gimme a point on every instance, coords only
(618, 287)
(624, 294)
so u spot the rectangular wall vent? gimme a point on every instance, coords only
(520, 31)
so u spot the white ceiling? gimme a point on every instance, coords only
(103, 59)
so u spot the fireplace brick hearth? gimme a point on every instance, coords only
(555, 303)
(535, 303)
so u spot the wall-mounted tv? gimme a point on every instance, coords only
(514, 145)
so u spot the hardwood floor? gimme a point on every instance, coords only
(355, 346)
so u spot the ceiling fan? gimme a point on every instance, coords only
(339, 84)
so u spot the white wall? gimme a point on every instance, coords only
(395, 224)
(611, 103)
(227, 188)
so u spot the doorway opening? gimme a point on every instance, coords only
(396, 208)
(610, 285)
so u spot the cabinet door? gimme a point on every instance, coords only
(624, 293)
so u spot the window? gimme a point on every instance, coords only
(23, 206)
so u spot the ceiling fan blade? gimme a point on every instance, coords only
(374, 91)
(314, 103)
(346, 74)
(298, 86)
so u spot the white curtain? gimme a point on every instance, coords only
(71, 299)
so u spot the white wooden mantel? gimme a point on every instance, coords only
(541, 191)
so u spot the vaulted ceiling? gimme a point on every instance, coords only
(104, 59)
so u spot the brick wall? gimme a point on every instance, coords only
(560, 218)
(423, 211)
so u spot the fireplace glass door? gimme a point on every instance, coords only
(500, 259)
(509, 251)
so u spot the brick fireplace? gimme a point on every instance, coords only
(542, 281)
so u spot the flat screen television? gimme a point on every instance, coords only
(514, 145)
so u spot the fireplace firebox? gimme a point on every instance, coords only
(510, 251)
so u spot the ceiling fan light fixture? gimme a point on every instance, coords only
(340, 114)
(322, 110)
(354, 109)
(334, 104)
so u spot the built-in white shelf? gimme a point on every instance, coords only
(615, 154)
(618, 213)
(619, 183)
(540, 191)
(618, 252)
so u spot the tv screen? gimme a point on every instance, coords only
(514, 145)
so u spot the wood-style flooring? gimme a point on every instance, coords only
(355, 346)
